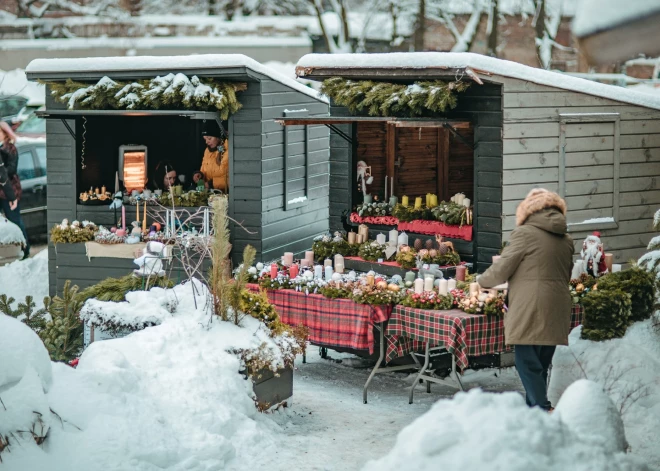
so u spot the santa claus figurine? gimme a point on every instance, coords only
(593, 255)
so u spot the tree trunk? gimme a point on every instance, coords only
(421, 26)
(212, 8)
(344, 21)
(324, 32)
(394, 15)
(492, 37)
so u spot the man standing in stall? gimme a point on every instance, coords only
(215, 164)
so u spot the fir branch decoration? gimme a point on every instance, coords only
(170, 92)
(190, 199)
(115, 289)
(372, 251)
(393, 99)
(72, 234)
(606, 314)
(407, 260)
(639, 284)
(62, 336)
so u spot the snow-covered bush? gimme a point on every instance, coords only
(651, 260)
(479, 431)
(636, 282)
(606, 314)
(10, 233)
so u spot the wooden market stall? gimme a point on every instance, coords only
(278, 180)
(515, 128)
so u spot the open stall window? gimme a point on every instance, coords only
(296, 162)
(589, 159)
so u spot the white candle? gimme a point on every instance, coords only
(328, 273)
(451, 285)
(318, 272)
(380, 238)
(309, 258)
(419, 286)
(394, 237)
(616, 267)
(466, 202)
(287, 260)
(327, 262)
(474, 289)
(443, 287)
(339, 259)
(339, 267)
(428, 283)
(403, 239)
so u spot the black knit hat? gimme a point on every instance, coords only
(211, 128)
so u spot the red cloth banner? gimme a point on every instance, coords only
(418, 226)
(381, 220)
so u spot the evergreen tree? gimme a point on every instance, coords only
(36, 320)
(62, 336)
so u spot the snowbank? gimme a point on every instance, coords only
(479, 431)
(26, 277)
(167, 397)
(14, 82)
(628, 369)
(10, 233)
(21, 349)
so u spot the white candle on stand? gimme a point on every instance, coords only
(443, 287)
(419, 286)
(380, 238)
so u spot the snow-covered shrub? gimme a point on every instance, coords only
(651, 260)
(606, 314)
(636, 282)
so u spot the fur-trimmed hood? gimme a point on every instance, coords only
(537, 200)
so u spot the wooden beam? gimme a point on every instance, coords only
(443, 164)
(431, 124)
(390, 139)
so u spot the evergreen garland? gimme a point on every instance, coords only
(72, 235)
(169, 92)
(372, 251)
(606, 314)
(393, 99)
(115, 289)
(639, 284)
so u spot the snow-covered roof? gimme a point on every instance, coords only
(485, 67)
(162, 65)
(593, 16)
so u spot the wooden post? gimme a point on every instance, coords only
(390, 137)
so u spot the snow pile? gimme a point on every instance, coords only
(167, 397)
(478, 431)
(10, 233)
(628, 369)
(14, 82)
(26, 277)
(21, 350)
(593, 16)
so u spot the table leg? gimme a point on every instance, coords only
(381, 355)
(454, 373)
(427, 359)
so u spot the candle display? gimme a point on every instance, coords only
(363, 229)
(418, 202)
(394, 237)
(370, 280)
(339, 260)
(339, 267)
(380, 238)
(351, 237)
(287, 260)
(328, 273)
(293, 271)
(443, 287)
(451, 285)
(403, 239)
(404, 201)
(428, 200)
(410, 276)
(367, 199)
(309, 258)
(318, 272)
(273, 270)
(460, 273)
(428, 283)
(359, 239)
(474, 289)
(419, 286)
(393, 200)
(466, 202)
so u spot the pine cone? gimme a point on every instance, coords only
(429, 244)
(418, 244)
(444, 249)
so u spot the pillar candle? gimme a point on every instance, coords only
(443, 287)
(328, 273)
(410, 276)
(451, 285)
(368, 199)
(359, 239)
(418, 202)
(380, 238)
(287, 260)
(474, 289)
(273, 270)
(309, 258)
(428, 283)
(616, 267)
(393, 200)
(403, 239)
(123, 217)
(370, 280)
(404, 201)
(419, 286)
(466, 202)
(351, 237)
(318, 272)
(460, 273)
(293, 271)
(144, 219)
(609, 258)
(339, 259)
(427, 201)
(339, 267)
(394, 237)
(327, 262)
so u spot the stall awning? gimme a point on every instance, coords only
(68, 114)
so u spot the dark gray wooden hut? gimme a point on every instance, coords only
(597, 145)
(279, 177)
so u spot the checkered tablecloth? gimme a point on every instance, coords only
(331, 322)
(461, 334)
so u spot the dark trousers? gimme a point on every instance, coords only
(15, 217)
(533, 363)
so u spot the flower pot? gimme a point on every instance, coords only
(270, 389)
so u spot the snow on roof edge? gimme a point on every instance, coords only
(108, 65)
(481, 64)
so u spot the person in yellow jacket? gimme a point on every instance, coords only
(215, 164)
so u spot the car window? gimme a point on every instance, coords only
(41, 159)
(10, 106)
(33, 124)
(25, 168)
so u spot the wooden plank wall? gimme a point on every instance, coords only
(341, 171)
(295, 229)
(371, 147)
(531, 153)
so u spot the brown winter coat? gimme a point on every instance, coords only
(537, 263)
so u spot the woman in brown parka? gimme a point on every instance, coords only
(537, 263)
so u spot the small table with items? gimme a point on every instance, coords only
(411, 330)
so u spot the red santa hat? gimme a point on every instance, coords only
(596, 233)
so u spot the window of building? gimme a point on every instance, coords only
(295, 163)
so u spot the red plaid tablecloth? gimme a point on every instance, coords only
(331, 322)
(461, 334)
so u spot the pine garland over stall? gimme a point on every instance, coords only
(393, 99)
(171, 92)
